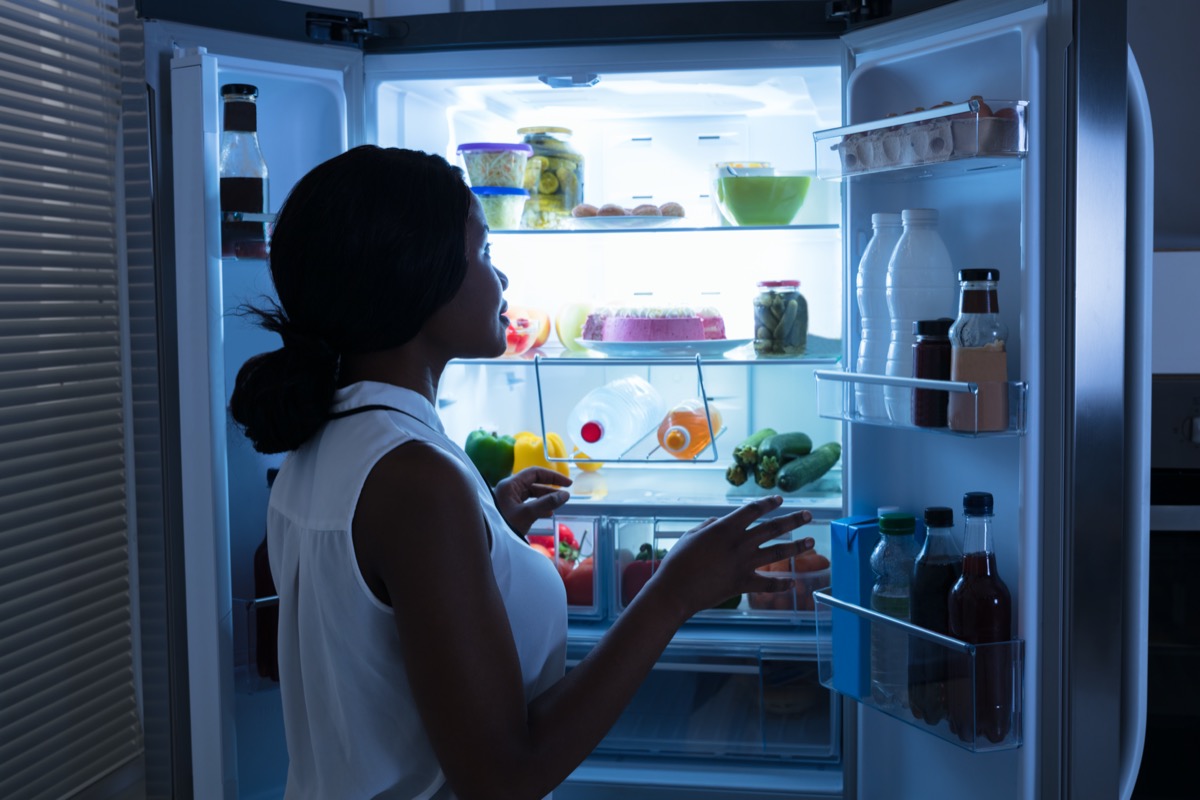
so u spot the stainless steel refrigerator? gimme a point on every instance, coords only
(656, 95)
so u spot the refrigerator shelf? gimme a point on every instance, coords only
(247, 216)
(841, 393)
(962, 137)
(982, 690)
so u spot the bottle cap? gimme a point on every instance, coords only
(884, 218)
(786, 284)
(979, 274)
(897, 524)
(492, 191)
(591, 432)
(239, 89)
(676, 439)
(939, 517)
(933, 327)
(977, 503)
(919, 215)
(490, 147)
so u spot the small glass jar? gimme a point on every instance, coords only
(931, 359)
(553, 177)
(780, 319)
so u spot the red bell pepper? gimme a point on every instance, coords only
(637, 572)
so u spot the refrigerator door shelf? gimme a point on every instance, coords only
(987, 671)
(992, 131)
(836, 400)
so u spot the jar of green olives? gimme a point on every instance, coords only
(553, 177)
(780, 319)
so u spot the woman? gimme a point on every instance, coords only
(421, 640)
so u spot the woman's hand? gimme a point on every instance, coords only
(530, 495)
(719, 558)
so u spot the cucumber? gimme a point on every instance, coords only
(804, 470)
(746, 453)
(778, 450)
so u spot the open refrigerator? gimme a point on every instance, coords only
(743, 703)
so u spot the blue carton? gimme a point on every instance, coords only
(852, 540)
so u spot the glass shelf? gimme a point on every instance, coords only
(970, 695)
(246, 216)
(926, 143)
(822, 350)
(848, 396)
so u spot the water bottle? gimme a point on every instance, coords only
(611, 419)
(873, 311)
(921, 284)
(892, 562)
(684, 431)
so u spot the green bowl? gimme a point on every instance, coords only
(761, 199)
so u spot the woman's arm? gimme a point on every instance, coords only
(421, 540)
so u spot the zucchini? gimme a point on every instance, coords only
(746, 454)
(736, 474)
(804, 470)
(783, 447)
(777, 450)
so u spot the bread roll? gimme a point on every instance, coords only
(584, 210)
(610, 210)
(647, 210)
(671, 210)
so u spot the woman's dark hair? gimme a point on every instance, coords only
(367, 246)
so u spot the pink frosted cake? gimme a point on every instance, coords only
(676, 324)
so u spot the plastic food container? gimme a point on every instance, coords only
(492, 164)
(502, 205)
(553, 176)
(799, 598)
(780, 319)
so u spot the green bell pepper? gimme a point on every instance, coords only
(491, 453)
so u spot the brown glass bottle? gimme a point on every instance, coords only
(931, 359)
(980, 613)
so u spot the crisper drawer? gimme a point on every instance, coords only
(639, 545)
(748, 705)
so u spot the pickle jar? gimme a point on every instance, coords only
(553, 177)
(780, 319)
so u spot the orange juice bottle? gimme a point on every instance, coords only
(684, 431)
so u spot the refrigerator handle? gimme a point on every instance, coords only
(1138, 273)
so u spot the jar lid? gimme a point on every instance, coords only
(473, 147)
(977, 503)
(933, 327)
(939, 517)
(543, 129)
(897, 524)
(491, 191)
(979, 274)
(240, 89)
(778, 284)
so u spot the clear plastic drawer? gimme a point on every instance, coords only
(957, 136)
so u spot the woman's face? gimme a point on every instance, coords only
(472, 324)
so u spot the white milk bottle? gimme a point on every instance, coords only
(873, 311)
(921, 284)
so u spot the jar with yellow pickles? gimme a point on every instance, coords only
(553, 177)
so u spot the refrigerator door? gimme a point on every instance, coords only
(222, 507)
(1073, 287)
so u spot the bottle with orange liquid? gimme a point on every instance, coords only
(685, 431)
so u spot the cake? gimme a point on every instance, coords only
(664, 324)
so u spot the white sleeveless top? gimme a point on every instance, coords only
(348, 711)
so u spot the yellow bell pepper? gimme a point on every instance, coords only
(529, 451)
(586, 466)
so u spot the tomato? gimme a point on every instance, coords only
(580, 583)
(565, 535)
(635, 576)
(565, 568)
(544, 540)
(543, 550)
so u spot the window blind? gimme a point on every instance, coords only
(68, 703)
